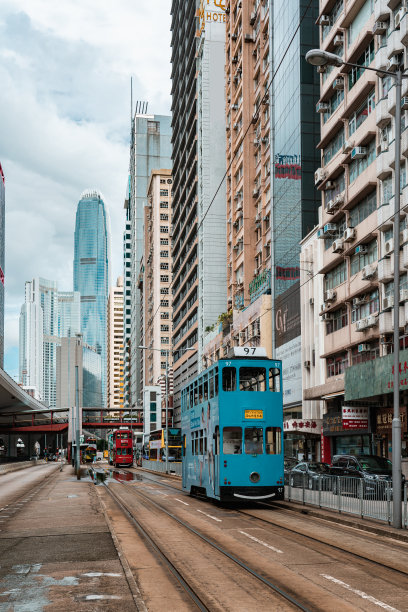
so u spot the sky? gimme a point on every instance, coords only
(65, 70)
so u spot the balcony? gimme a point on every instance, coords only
(404, 142)
(385, 270)
(381, 58)
(385, 322)
(404, 29)
(381, 10)
(391, 100)
(404, 199)
(383, 164)
(394, 44)
(404, 256)
(384, 216)
(381, 113)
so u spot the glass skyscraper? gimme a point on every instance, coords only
(91, 272)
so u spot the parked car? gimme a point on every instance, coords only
(375, 471)
(308, 473)
(288, 464)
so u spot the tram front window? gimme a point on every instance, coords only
(252, 379)
(229, 379)
(232, 441)
(254, 440)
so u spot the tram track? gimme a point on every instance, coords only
(369, 561)
(279, 590)
(307, 537)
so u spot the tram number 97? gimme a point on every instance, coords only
(249, 351)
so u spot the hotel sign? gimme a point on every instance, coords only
(211, 11)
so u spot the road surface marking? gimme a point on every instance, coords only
(369, 598)
(98, 574)
(181, 502)
(261, 542)
(95, 597)
(214, 518)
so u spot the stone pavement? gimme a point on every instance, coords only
(57, 552)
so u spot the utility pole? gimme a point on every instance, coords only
(77, 435)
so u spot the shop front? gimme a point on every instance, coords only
(302, 439)
(383, 431)
(346, 431)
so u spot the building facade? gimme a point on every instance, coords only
(198, 228)
(69, 313)
(356, 181)
(72, 353)
(2, 261)
(115, 346)
(31, 344)
(92, 272)
(150, 148)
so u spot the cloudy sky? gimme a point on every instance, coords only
(65, 69)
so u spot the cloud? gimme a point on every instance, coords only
(65, 70)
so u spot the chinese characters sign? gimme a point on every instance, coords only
(354, 418)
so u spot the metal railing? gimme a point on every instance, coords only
(160, 466)
(360, 496)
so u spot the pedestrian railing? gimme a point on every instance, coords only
(360, 496)
(160, 466)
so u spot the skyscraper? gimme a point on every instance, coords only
(31, 344)
(199, 141)
(150, 148)
(69, 314)
(2, 241)
(92, 270)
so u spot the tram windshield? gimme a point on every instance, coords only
(253, 440)
(252, 379)
(232, 440)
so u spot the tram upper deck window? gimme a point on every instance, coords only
(205, 388)
(229, 379)
(211, 384)
(191, 401)
(216, 381)
(252, 379)
(274, 380)
(232, 440)
(273, 440)
(254, 440)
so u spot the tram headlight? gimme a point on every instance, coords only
(254, 477)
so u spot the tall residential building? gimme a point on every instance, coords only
(157, 277)
(271, 200)
(92, 272)
(2, 248)
(198, 137)
(31, 344)
(356, 182)
(127, 308)
(150, 148)
(115, 346)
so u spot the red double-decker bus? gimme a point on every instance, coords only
(121, 447)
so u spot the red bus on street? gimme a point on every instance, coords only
(121, 447)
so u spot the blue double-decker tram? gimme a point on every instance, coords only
(232, 429)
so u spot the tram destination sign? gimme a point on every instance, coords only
(254, 414)
(249, 351)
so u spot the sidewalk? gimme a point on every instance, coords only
(58, 553)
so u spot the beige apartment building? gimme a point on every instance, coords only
(115, 346)
(249, 180)
(356, 239)
(157, 279)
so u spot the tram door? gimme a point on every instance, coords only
(216, 461)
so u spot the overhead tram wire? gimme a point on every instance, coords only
(255, 116)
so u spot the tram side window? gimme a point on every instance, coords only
(254, 440)
(273, 440)
(211, 385)
(205, 390)
(216, 440)
(232, 441)
(200, 390)
(191, 397)
(252, 379)
(274, 380)
(195, 394)
(229, 382)
(216, 382)
(201, 442)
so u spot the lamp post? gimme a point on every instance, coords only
(148, 348)
(318, 57)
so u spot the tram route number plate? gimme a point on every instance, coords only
(254, 414)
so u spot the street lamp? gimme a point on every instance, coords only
(318, 57)
(148, 348)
